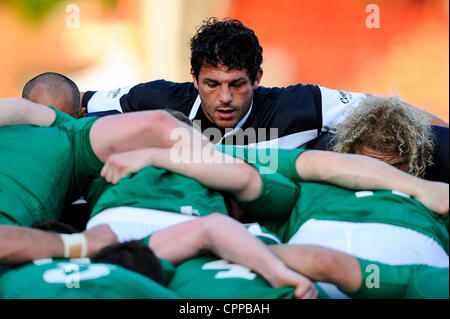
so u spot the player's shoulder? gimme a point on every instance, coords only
(186, 89)
(274, 92)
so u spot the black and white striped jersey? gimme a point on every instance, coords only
(287, 117)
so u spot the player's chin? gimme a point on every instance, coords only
(229, 123)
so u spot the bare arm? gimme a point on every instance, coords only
(213, 169)
(138, 130)
(21, 111)
(364, 173)
(231, 241)
(21, 244)
(322, 264)
(433, 119)
(437, 121)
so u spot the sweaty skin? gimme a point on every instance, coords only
(226, 95)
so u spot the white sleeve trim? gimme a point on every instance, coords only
(195, 108)
(107, 100)
(291, 141)
(336, 104)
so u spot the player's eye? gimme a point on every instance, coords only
(237, 85)
(212, 85)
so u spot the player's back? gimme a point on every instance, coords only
(384, 226)
(78, 279)
(35, 173)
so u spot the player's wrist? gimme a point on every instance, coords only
(413, 186)
(277, 274)
(75, 245)
(157, 157)
(98, 237)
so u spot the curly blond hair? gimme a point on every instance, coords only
(388, 125)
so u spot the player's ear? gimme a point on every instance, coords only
(257, 79)
(82, 112)
(194, 78)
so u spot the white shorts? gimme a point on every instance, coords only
(384, 243)
(131, 223)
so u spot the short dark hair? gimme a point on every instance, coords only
(53, 78)
(132, 255)
(227, 42)
(55, 226)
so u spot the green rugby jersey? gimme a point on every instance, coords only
(209, 277)
(44, 168)
(160, 189)
(78, 279)
(401, 281)
(277, 160)
(36, 167)
(87, 165)
(327, 202)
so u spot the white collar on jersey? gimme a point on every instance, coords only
(196, 107)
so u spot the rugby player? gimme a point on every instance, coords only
(384, 227)
(225, 94)
(290, 166)
(57, 90)
(390, 130)
(127, 270)
(225, 98)
(44, 167)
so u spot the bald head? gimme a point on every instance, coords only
(56, 90)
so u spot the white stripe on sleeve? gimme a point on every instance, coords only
(107, 100)
(335, 106)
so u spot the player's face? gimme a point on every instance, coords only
(392, 159)
(226, 95)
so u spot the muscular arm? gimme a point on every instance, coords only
(229, 240)
(21, 111)
(219, 171)
(21, 244)
(321, 264)
(138, 130)
(433, 119)
(364, 173)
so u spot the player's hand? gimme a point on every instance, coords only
(304, 288)
(98, 237)
(434, 196)
(119, 165)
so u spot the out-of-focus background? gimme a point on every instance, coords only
(104, 44)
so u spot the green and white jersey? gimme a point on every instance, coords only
(162, 190)
(36, 172)
(401, 281)
(78, 279)
(44, 168)
(209, 277)
(385, 208)
(377, 225)
(279, 194)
